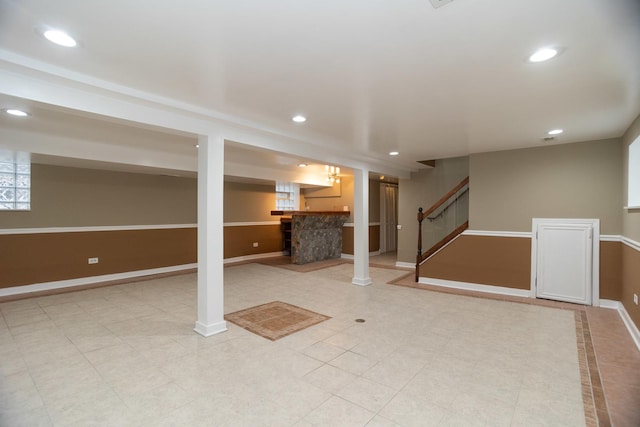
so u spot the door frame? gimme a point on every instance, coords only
(595, 252)
(383, 217)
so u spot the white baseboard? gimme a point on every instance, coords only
(475, 287)
(631, 327)
(81, 281)
(405, 264)
(60, 284)
(252, 257)
(626, 319)
(609, 303)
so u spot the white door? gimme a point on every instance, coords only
(563, 259)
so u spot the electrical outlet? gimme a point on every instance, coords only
(255, 244)
(635, 299)
(93, 260)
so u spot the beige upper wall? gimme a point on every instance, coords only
(333, 203)
(580, 180)
(630, 218)
(249, 202)
(75, 197)
(423, 190)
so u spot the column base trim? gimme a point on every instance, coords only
(209, 330)
(366, 281)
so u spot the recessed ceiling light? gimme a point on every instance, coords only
(197, 145)
(16, 112)
(544, 54)
(555, 132)
(393, 153)
(299, 119)
(60, 38)
(303, 165)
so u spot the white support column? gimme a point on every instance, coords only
(361, 228)
(210, 236)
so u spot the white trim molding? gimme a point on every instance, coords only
(208, 330)
(351, 224)
(490, 289)
(60, 284)
(402, 264)
(626, 319)
(252, 257)
(610, 238)
(81, 281)
(94, 228)
(522, 234)
(631, 327)
(609, 303)
(631, 243)
(89, 229)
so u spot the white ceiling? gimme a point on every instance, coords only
(371, 75)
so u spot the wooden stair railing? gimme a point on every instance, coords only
(420, 257)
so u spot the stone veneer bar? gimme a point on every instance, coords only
(315, 235)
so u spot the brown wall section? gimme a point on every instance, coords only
(46, 257)
(238, 241)
(611, 270)
(497, 261)
(506, 261)
(631, 278)
(347, 239)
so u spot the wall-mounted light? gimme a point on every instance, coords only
(333, 173)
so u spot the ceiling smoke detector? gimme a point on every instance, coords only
(438, 3)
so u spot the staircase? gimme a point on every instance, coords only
(446, 219)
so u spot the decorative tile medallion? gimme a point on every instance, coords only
(275, 320)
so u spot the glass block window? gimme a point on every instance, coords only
(287, 196)
(15, 180)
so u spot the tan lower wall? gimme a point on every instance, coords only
(46, 257)
(487, 260)
(631, 282)
(347, 239)
(238, 240)
(611, 270)
(27, 259)
(506, 262)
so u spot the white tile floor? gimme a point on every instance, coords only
(127, 355)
